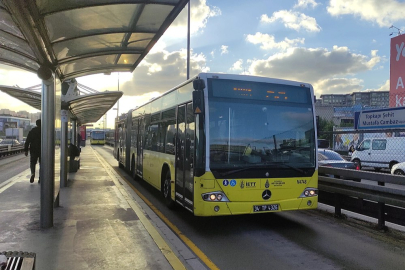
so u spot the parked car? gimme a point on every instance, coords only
(380, 152)
(330, 158)
(322, 143)
(398, 169)
(9, 142)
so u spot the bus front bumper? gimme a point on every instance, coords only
(206, 208)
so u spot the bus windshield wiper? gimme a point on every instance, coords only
(238, 170)
(263, 165)
(289, 166)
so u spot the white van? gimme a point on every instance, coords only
(380, 152)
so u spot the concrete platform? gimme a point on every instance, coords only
(100, 224)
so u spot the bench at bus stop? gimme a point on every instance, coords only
(73, 158)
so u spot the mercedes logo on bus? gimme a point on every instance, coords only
(266, 194)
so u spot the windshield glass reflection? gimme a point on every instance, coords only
(257, 134)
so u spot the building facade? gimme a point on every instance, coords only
(336, 99)
(379, 99)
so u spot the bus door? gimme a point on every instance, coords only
(184, 156)
(123, 143)
(139, 147)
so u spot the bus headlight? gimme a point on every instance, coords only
(309, 192)
(216, 196)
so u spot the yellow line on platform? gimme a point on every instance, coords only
(6, 184)
(171, 257)
(184, 238)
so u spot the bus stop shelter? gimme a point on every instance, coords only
(62, 40)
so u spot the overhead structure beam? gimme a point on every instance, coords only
(79, 38)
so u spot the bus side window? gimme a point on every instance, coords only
(169, 142)
(161, 136)
(153, 137)
(147, 138)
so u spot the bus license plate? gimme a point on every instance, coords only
(267, 207)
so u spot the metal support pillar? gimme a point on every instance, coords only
(47, 168)
(73, 139)
(381, 212)
(63, 149)
(188, 39)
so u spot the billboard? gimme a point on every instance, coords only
(11, 125)
(380, 119)
(342, 142)
(397, 75)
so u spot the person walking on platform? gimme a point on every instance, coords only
(33, 143)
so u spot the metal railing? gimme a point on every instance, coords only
(109, 142)
(6, 150)
(369, 199)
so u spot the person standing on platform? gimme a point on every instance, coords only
(33, 144)
(79, 140)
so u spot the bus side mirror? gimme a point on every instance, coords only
(198, 84)
(198, 102)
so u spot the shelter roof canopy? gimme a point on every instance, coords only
(77, 38)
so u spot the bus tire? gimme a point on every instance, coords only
(167, 190)
(392, 163)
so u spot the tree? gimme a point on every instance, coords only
(325, 130)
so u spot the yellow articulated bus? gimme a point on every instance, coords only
(97, 137)
(221, 144)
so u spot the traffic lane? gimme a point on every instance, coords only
(12, 165)
(285, 240)
(375, 183)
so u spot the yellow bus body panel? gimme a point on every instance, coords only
(93, 142)
(153, 163)
(247, 193)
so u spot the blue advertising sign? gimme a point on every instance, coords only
(384, 118)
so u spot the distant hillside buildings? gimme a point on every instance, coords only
(378, 99)
(21, 119)
(341, 107)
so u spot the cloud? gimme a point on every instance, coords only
(306, 4)
(14, 76)
(384, 87)
(293, 20)
(224, 49)
(161, 71)
(157, 73)
(383, 12)
(268, 42)
(313, 65)
(344, 86)
(11, 76)
(238, 65)
(200, 13)
(337, 86)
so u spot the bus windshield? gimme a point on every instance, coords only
(97, 135)
(258, 132)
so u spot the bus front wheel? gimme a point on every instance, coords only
(167, 191)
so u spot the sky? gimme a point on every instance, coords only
(338, 46)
